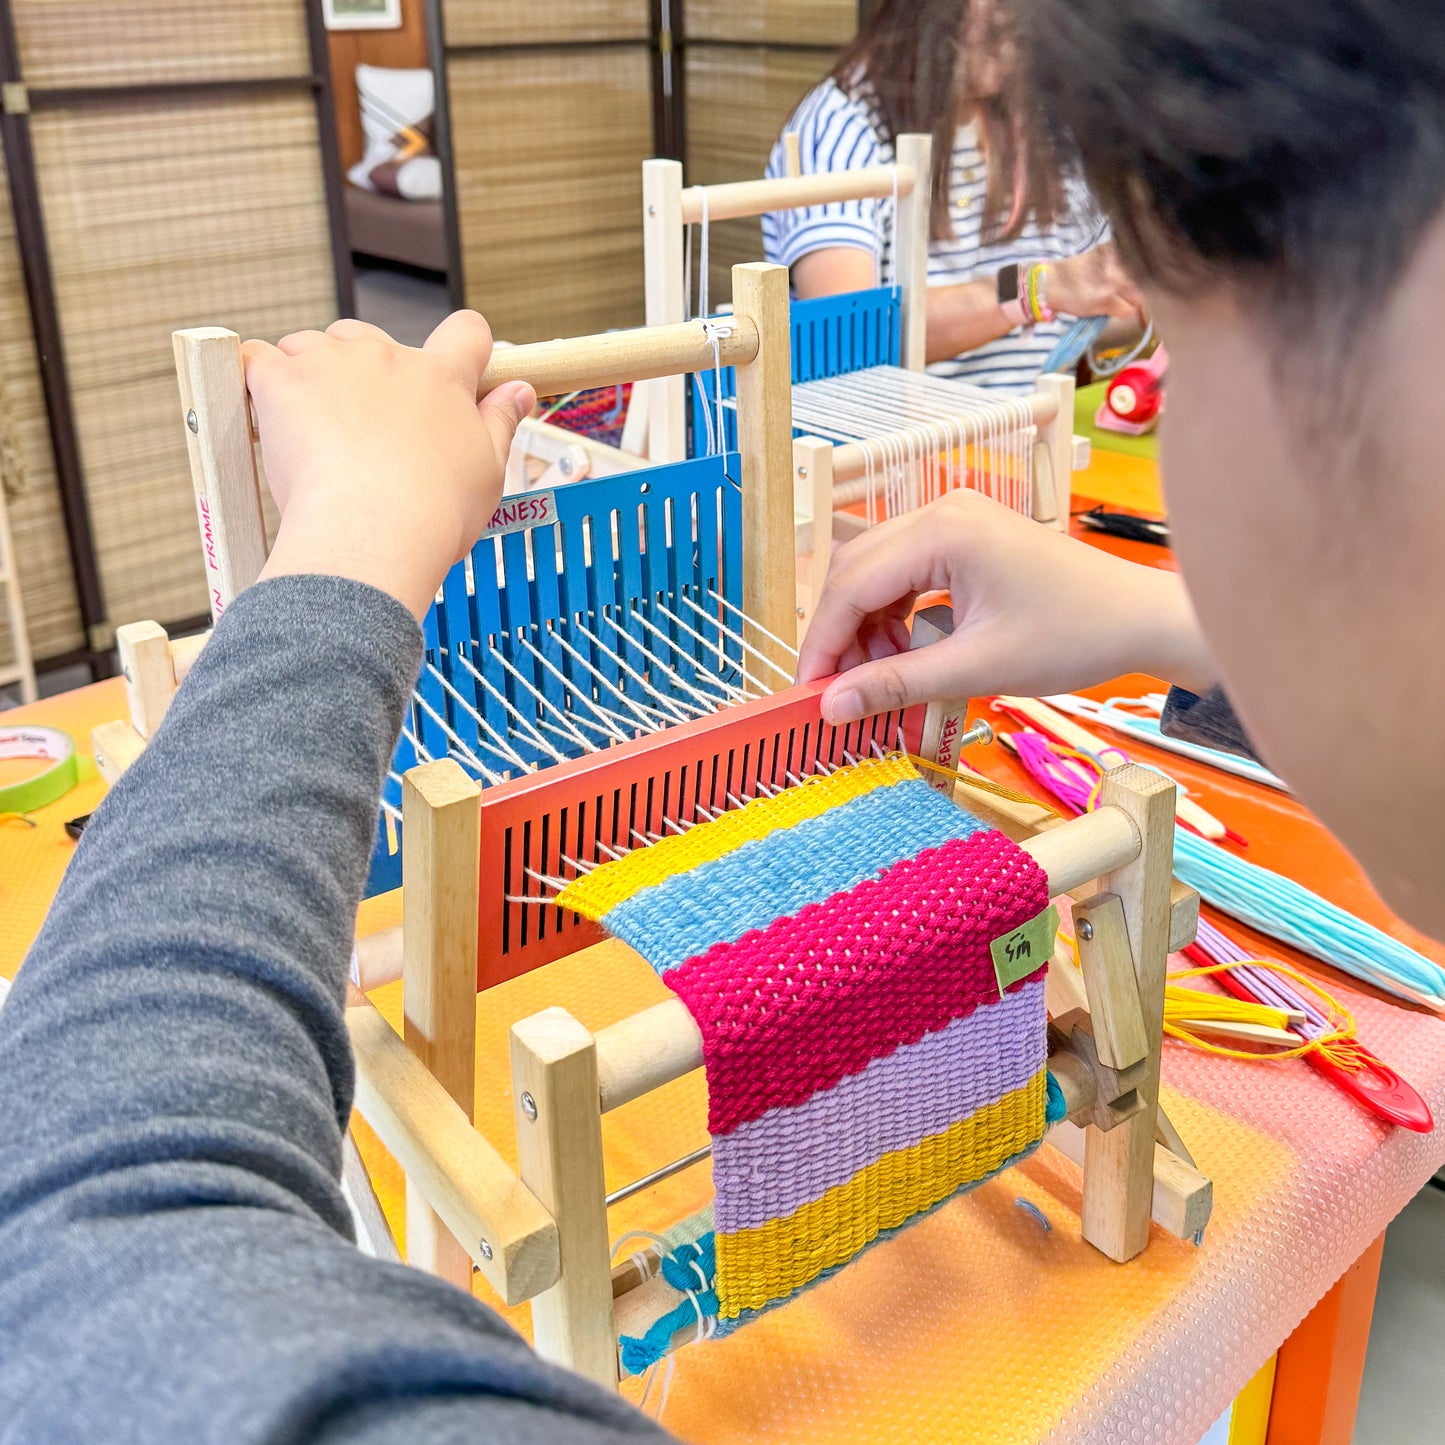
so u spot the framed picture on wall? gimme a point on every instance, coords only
(362, 14)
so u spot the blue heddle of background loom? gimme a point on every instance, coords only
(613, 598)
(832, 335)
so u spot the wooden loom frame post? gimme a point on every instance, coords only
(557, 1103)
(910, 241)
(441, 831)
(1054, 455)
(946, 719)
(813, 514)
(1119, 1164)
(662, 251)
(765, 440)
(215, 408)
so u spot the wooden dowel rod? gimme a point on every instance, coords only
(638, 1309)
(1076, 1079)
(662, 1043)
(736, 199)
(506, 1232)
(580, 363)
(850, 460)
(644, 1052)
(576, 364)
(1084, 848)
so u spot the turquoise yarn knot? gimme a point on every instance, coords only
(1055, 1109)
(680, 1270)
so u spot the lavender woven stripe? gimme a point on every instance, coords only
(770, 1167)
(777, 876)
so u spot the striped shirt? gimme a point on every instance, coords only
(837, 133)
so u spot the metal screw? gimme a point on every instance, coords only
(980, 733)
(800, 612)
(652, 210)
(194, 422)
(565, 466)
(486, 1250)
(529, 1107)
(802, 471)
(1086, 930)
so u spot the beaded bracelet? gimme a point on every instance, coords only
(1032, 293)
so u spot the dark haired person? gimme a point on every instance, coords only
(1003, 205)
(1275, 175)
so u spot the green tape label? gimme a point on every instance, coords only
(1028, 947)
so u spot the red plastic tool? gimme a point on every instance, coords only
(1374, 1084)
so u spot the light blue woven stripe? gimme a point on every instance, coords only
(776, 876)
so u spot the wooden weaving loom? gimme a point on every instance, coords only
(1021, 451)
(837, 479)
(472, 919)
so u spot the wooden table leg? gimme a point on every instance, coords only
(1317, 1380)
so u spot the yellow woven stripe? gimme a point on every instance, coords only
(600, 891)
(755, 1267)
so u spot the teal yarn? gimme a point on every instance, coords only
(1055, 1109)
(1286, 910)
(687, 1267)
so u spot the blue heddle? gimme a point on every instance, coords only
(621, 549)
(832, 335)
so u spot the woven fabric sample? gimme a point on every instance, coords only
(864, 1065)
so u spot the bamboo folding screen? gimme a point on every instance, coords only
(550, 116)
(172, 161)
(27, 469)
(748, 64)
(179, 164)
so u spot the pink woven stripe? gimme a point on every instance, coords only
(770, 1167)
(793, 1008)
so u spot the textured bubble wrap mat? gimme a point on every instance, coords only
(865, 1060)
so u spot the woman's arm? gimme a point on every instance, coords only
(967, 315)
(175, 1256)
(960, 318)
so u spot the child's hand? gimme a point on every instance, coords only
(383, 463)
(1035, 612)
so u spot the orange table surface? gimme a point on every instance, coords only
(979, 1324)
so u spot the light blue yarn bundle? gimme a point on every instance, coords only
(1291, 913)
(1079, 337)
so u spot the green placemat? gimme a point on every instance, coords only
(1087, 401)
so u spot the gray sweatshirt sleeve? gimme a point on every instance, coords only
(175, 1252)
(1208, 719)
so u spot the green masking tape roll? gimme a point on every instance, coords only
(45, 787)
